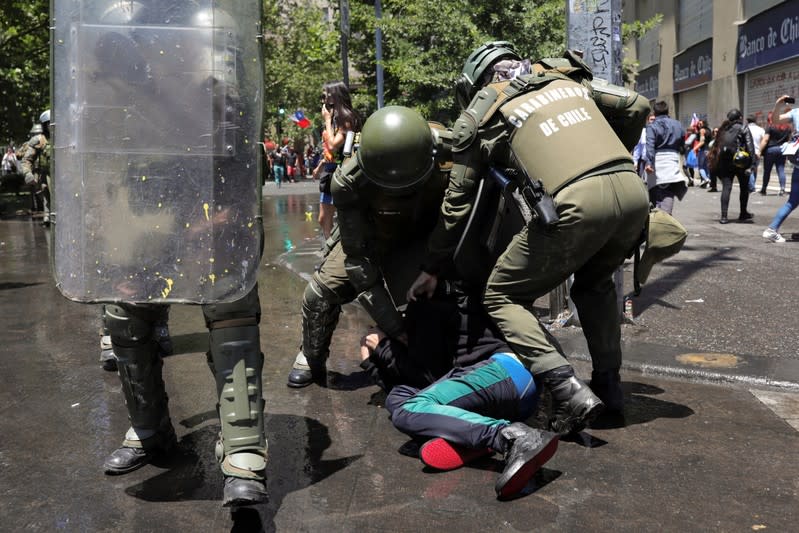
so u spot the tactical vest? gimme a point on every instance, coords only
(625, 110)
(556, 131)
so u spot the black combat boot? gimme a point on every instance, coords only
(304, 372)
(526, 450)
(239, 492)
(606, 384)
(573, 403)
(134, 454)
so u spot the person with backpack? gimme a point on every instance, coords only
(733, 158)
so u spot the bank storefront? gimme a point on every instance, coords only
(647, 81)
(768, 56)
(693, 71)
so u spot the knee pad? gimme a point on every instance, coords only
(320, 314)
(130, 324)
(247, 309)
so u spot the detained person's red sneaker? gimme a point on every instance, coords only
(442, 455)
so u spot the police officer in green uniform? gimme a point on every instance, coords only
(36, 164)
(163, 198)
(546, 126)
(387, 196)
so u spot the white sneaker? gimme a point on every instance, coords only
(773, 236)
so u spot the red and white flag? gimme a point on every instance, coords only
(300, 119)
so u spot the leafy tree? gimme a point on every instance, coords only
(425, 43)
(24, 66)
(301, 53)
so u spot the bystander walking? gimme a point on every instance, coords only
(771, 233)
(664, 142)
(757, 136)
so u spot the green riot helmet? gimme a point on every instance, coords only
(396, 150)
(477, 65)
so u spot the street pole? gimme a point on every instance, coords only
(344, 8)
(379, 53)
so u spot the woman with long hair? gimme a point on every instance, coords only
(340, 118)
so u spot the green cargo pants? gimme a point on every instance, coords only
(601, 219)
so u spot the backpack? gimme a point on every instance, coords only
(732, 147)
(728, 139)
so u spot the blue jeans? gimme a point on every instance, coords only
(773, 157)
(790, 205)
(702, 165)
(279, 171)
(753, 175)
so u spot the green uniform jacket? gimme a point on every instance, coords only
(36, 159)
(556, 132)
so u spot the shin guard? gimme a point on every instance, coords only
(139, 368)
(237, 363)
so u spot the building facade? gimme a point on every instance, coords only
(709, 56)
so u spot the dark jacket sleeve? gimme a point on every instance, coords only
(650, 145)
(358, 241)
(455, 209)
(391, 365)
(748, 141)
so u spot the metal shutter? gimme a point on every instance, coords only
(690, 102)
(763, 86)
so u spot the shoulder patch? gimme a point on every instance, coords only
(463, 132)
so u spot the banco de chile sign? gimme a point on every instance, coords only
(694, 67)
(769, 37)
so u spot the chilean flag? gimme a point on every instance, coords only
(694, 120)
(299, 119)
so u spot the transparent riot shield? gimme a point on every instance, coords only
(157, 111)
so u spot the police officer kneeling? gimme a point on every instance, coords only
(547, 126)
(387, 196)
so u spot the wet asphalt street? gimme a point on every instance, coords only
(709, 440)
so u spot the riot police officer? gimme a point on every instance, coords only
(547, 130)
(387, 197)
(157, 182)
(35, 164)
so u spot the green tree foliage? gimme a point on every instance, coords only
(301, 53)
(24, 66)
(425, 43)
